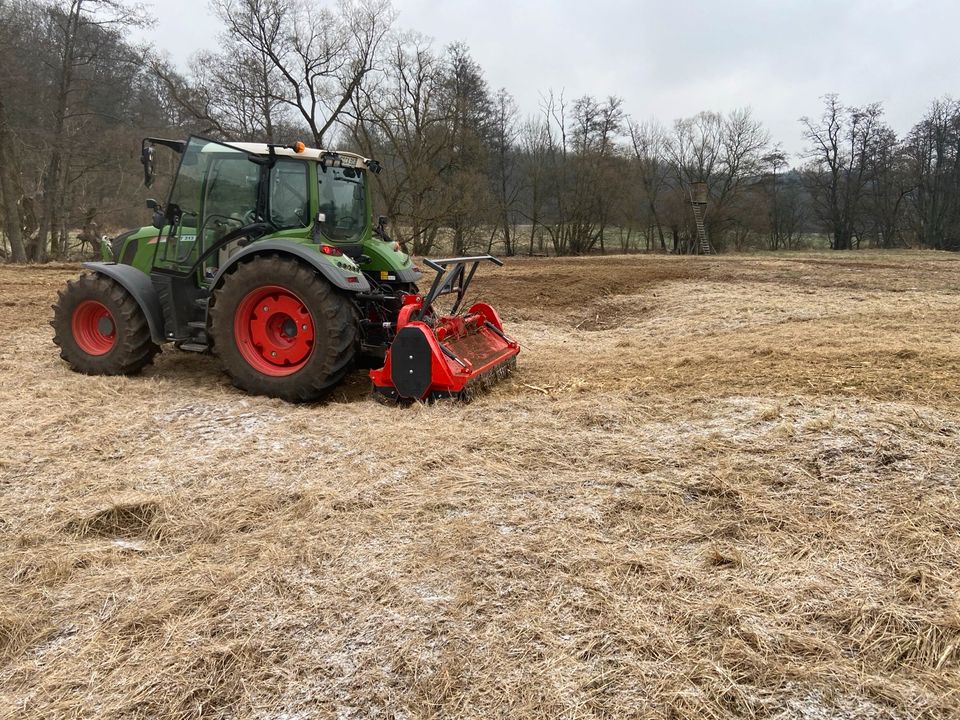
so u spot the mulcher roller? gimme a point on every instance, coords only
(454, 355)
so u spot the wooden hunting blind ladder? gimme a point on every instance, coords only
(698, 199)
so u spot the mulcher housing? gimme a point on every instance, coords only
(451, 355)
(268, 256)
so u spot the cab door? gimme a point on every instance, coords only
(216, 191)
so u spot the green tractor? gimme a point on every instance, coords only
(267, 255)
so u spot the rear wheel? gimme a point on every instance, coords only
(281, 330)
(100, 328)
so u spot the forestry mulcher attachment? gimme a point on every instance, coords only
(449, 355)
(267, 256)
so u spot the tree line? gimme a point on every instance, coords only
(466, 171)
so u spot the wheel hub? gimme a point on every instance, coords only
(274, 331)
(105, 325)
(94, 329)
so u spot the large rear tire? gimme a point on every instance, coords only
(281, 330)
(100, 328)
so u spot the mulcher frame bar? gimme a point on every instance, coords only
(452, 278)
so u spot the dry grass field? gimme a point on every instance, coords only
(720, 487)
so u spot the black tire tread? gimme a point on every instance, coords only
(134, 349)
(335, 317)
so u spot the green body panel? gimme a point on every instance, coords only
(383, 258)
(145, 248)
(138, 248)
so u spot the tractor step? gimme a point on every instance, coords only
(194, 347)
(198, 334)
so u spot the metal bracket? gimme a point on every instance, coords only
(453, 278)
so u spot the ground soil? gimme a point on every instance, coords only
(715, 487)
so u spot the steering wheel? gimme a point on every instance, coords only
(221, 221)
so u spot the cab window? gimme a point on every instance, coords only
(289, 194)
(343, 205)
(232, 189)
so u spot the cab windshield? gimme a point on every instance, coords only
(342, 213)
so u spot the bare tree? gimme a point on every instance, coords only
(504, 166)
(886, 194)
(783, 197)
(233, 92)
(311, 58)
(725, 152)
(838, 167)
(695, 147)
(10, 189)
(74, 29)
(402, 116)
(649, 143)
(583, 169)
(931, 163)
(534, 148)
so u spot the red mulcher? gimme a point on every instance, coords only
(441, 356)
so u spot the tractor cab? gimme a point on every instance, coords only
(243, 190)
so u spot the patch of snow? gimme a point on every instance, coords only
(812, 705)
(135, 545)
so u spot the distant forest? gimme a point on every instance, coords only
(465, 170)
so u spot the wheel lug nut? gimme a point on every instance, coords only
(273, 353)
(303, 327)
(265, 308)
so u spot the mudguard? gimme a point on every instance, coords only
(139, 285)
(343, 279)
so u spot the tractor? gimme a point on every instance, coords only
(267, 256)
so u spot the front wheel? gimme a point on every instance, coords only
(100, 328)
(281, 330)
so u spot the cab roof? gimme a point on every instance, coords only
(307, 154)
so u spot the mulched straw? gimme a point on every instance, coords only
(721, 487)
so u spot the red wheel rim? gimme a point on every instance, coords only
(274, 331)
(94, 329)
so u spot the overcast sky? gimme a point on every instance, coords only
(670, 59)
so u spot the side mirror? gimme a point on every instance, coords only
(382, 221)
(321, 217)
(146, 157)
(159, 216)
